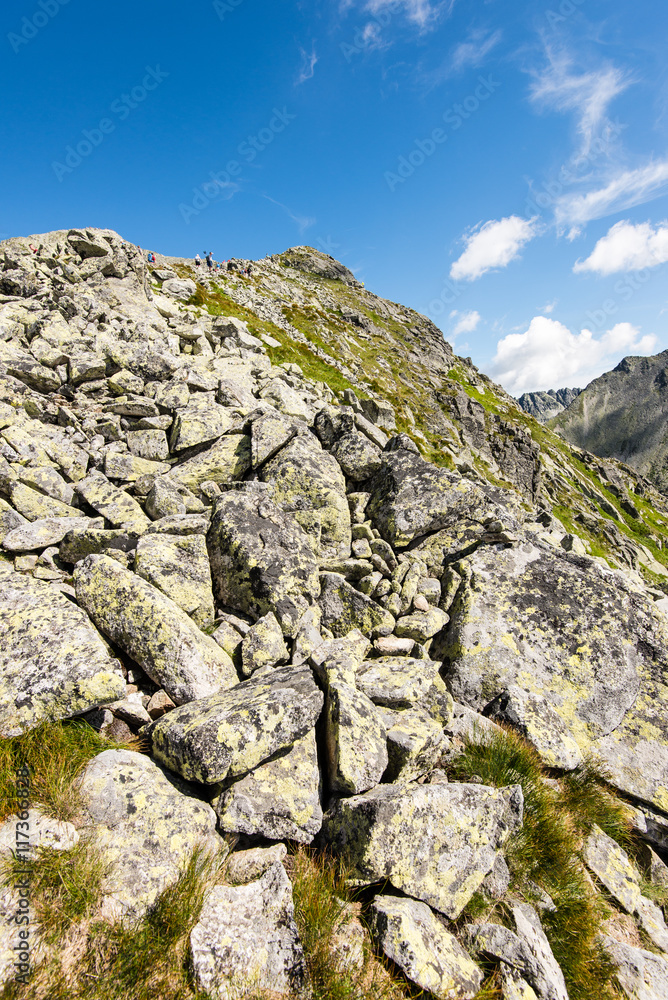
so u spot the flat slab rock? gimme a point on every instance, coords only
(246, 940)
(145, 827)
(592, 653)
(641, 974)
(230, 733)
(434, 842)
(153, 630)
(415, 939)
(53, 663)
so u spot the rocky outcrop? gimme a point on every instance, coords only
(545, 405)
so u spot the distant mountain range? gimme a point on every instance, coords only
(545, 405)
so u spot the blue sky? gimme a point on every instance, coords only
(501, 165)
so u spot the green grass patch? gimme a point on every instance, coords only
(56, 753)
(546, 852)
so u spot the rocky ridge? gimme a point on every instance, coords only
(545, 405)
(218, 532)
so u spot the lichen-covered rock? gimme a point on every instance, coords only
(421, 626)
(201, 421)
(230, 733)
(514, 986)
(539, 723)
(42, 533)
(611, 864)
(434, 842)
(415, 742)
(410, 497)
(178, 565)
(35, 506)
(430, 956)
(246, 941)
(279, 800)
(559, 627)
(226, 461)
(263, 646)
(397, 681)
(526, 950)
(357, 456)
(81, 542)
(128, 468)
(308, 479)
(152, 630)
(53, 663)
(261, 560)
(338, 660)
(270, 433)
(641, 974)
(356, 740)
(145, 827)
(344, 609)
(113, 504)
(245, 866)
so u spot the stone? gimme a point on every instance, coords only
(129, 468)
(111, 503)
(562, 628)
(540, 725)
(245, 866)
(9, 519)
(227, 460)
(434, 842)
(246, 941)
(514, 987)
(392, 645)
(81, 542)
(358, 457)
(48, 480)
(338, 660)
(263, 646)
(421, 626)
(152, 630)
(178, 565)
(159, 704)
(270, 433)
(279, 800)
(415, 742)
(131, 710)
(164, 500)
(44, 832)
(53, 663)
(641, 974)
(144, 826)
(344, 608)
(355, 738)
(179, 288)
(42, 533)
(228, 638)
(430, 956)
(261, 560)
(200, 422)
(306, 478)
(230, 733)
(35, 506)
(397, 681)
(150, 444)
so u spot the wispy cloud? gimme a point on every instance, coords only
(309, 60)
(466, 322)
(474, 50)
(423, 13)
(303, 222)
(549, 356)
(627, 248)
(626, 189)
(493, 245)
(559, 87)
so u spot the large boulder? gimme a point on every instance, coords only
(154, 631)
(279, 800)
(430, 956)
(246, 942)
(411, 497)
(226, 461)
(591, 653)
(642, 975)
(230, 733)
(261, 559)
(178, 565)
(144, 827)
(355, 738)
(308, 480)
(53, 663)
(434, 842)
(344, 608)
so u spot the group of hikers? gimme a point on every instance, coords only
(216, 266)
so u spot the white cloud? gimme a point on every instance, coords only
(549, 356)
(474, 50)
(627, 189)
(495, 244)
(466, 323)
(587, 94)
(309, 60)
(627, 248)
(421, 12)
(303, 222)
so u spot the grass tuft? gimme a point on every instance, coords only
(55, 753)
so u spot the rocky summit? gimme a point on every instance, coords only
(311, 594)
